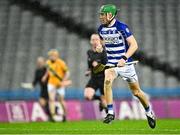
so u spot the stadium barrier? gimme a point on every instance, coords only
(75, 93)
(28, 111)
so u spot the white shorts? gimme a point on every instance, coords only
(60, 91)
(127, 73)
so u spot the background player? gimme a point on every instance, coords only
(39, 73)
(58, 79)
(120, 45)
(97, 80)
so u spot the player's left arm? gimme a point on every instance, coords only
(66, 79)
(67, 75)
(133, 46)
(131, 41)
(65, 70)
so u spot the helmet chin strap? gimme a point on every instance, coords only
(109, 21)
(111, 18)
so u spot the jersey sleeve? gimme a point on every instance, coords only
(124, 29)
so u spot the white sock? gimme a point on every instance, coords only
(110, 112)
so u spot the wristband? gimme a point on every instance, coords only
(124, 57)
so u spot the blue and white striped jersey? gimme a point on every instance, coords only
(115, 41)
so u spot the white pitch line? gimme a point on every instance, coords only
(87, 134)
(92, 129)
(88, 130)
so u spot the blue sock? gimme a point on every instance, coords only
(147, 109)
(110, 109)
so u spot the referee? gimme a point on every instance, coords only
(96, 81)
(39, 73)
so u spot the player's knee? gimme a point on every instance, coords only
(42, 102)
(107, 84)
(108, 81)
(88, 96)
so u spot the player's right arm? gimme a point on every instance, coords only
(99, 48)
(88, 71)
(46, 75)
(35, 80)
(92, 61)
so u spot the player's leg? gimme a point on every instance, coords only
(110, 75)
(44, 103)
(61, 93)
(136, 90)
(52, 96)
(43, 96)
(63, 103)
(89, 93)
(90, 90)
(44, 100)
(128, 73)
(102, 104)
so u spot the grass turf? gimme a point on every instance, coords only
(165, 126)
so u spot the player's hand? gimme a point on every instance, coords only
(43, 80)
(66, 83)
(87, 73)
(27, 86)
(94, 63)
(99, 48)
(121, 63)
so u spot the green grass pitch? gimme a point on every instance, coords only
(164, 126)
